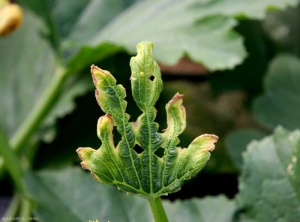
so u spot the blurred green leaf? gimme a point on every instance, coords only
(86, 18)
(202, 30)
(283, 29)
(280, 102)
(176, 29)
(73, 195)
(248, 76)
(270, 185)
(27, 66)
(237, 141)
(73, 87)
(72, 24)
(208, 209)
(253, 9)
(89, 55)
(187, 27)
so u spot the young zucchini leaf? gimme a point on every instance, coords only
(142, 173)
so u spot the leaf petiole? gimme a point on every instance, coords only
(158, 210)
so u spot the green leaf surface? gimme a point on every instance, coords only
(280, 102)
(73, 23)
(254, 9)
(63, 195)
(73, 195)
(197, 29)
(88, 55)
(86, 18)
(80, 24)
(208, 209)
(237, 141)
(202, 30)
(143, 173)
(25, 71)
(176, 29)
(270, 185)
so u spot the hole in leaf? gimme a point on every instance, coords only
(138, 149)
(116, 136)
(152, 78)
(159, 152)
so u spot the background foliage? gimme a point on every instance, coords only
(247, 93)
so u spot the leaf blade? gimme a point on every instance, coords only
(64, 194)
(143, 173)
(281, 92)
(267, 184)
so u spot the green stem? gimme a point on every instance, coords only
(10, 161)
(12, 209)
(158, 210)
(39, 112)
(25, 208)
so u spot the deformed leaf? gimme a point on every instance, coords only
(143, 173)
(270, 185)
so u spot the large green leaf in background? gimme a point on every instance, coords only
(270, 185)
(26, 68)
(269, 191)
(187, 27)
(255, 9)
(277, 106)
(176, 29)
(280, 103)
(237, 141)
(202, 30)
(73, 195)
(208, 209)
(78, 21)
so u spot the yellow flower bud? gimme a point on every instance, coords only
(11, 17)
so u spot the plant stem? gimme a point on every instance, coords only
(158, 210)
(12, 209)
(39, 112)
(11, 162)
(25, 207)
